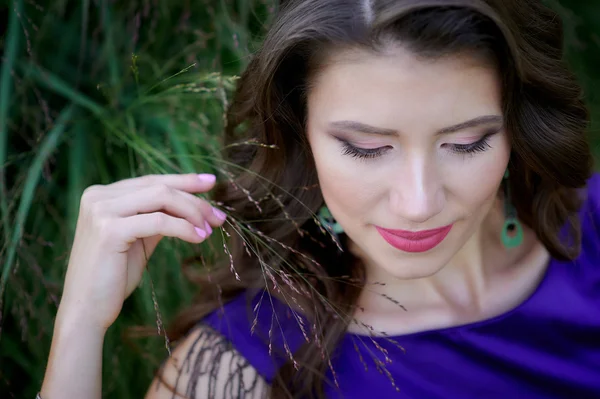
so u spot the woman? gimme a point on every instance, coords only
(442, 142)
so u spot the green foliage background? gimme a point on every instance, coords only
(96, 91)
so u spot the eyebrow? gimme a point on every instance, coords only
(368, 129)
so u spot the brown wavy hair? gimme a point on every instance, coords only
(273, 195)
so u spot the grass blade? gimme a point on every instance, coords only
(50, 143)
(59, 86)
(77, 171)
(12, 44)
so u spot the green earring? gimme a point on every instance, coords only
(328, 222)
(512, 231)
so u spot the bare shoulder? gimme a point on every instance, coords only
(205, 365)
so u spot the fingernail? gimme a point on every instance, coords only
(208, 228)
(200, 232)
(207, 178)
(220, 215)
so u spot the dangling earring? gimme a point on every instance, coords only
(512, 231)
(328, 222)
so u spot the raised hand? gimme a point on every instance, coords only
(118, 228)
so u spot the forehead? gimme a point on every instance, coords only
(399, 88)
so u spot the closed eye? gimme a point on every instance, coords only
(363, 153)
(478, 146)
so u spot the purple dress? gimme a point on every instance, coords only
(546, 347)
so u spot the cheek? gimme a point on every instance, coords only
(477, 185)
(346, 188)
(476, 192)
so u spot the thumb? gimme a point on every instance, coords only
(140, 253)
(147, 247)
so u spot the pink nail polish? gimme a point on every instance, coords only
(207, 178)
(200, 232)
(220, 215)
(208, 228)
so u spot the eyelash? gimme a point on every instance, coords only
(478, 146)
(370, 153)
(363, 153)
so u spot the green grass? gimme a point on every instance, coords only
(93, 92)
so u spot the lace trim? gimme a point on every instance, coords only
(213, 368)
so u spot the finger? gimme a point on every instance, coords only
(164, 198)
(190, 182)
(158, 223)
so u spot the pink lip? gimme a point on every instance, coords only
(414, 241)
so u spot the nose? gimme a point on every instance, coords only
(417, 195)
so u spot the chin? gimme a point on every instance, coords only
(414, 273)
(407, 268)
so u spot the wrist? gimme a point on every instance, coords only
(75, 361)
(78, 320)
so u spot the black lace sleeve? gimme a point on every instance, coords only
(205, 365)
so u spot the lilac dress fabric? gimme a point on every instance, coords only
(547, 347)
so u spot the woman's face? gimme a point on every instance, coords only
(404, 146)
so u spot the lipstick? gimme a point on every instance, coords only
(414, 241)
